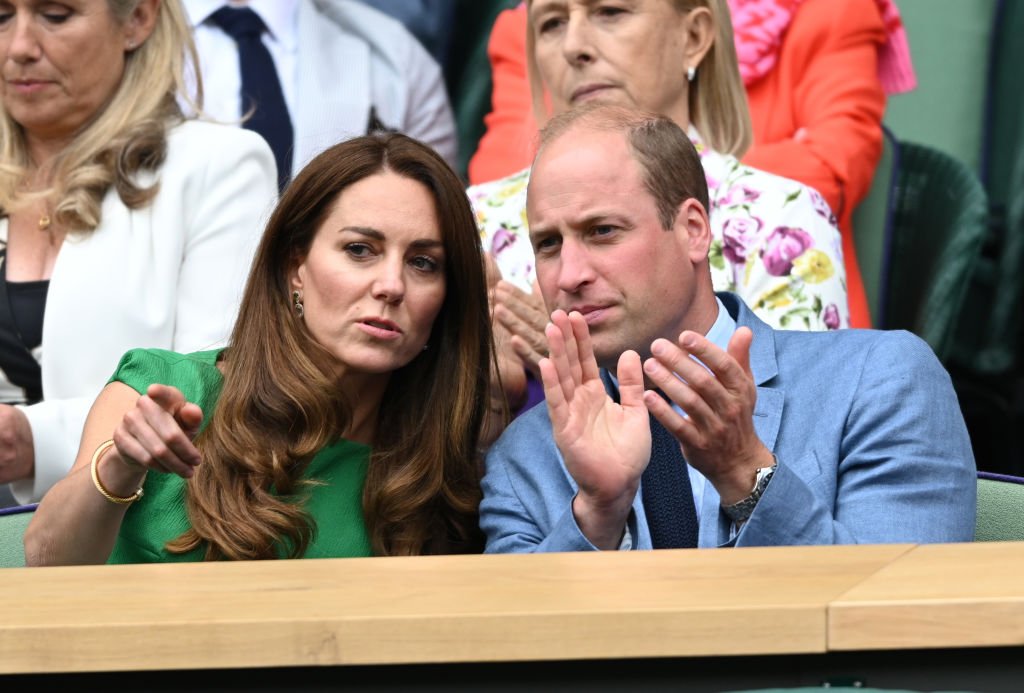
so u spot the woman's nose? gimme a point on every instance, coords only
(22, 42)
(576, 40)
(389, 285)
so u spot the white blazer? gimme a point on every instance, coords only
(169, 275)
(351, 58)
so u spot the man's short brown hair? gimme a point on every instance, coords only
(670, 165)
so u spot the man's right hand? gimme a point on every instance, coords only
(606, 445)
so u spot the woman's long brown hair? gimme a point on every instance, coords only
(279, 406)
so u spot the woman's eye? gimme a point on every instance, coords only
(358, 249)
(549, 24)
(56, 15)
(608, 11)
(425, 263)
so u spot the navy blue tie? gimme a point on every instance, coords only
(666, 492)
(261, 87)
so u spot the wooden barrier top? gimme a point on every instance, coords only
(941, 595)
(428, 609)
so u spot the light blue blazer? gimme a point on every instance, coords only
(871, 444)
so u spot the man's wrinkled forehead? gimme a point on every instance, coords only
(580, 164)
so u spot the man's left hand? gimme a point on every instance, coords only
(717, 435)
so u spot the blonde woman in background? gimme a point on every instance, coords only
(123, 224)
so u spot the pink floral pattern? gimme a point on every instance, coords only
(775, 242)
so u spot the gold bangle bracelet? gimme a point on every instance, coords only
(120, 500)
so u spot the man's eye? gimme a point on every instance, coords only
(546, 243)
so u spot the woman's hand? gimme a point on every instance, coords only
(17, 454)
(157, 432)
(524, 316)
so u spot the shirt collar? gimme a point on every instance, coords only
(280, 16)
(723, 327)
(719, 334)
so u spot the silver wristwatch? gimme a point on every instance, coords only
(740, 511)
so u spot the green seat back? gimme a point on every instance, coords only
(12, 529)
(1005, 126)
(949, 44)
(938, 225)
(872, 222)
(1000, 509)
(988, 342)
(468, 74)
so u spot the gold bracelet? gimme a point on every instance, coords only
(120, 500)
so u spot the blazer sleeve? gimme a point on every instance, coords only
(228, 187)
(229, 204)
(827, 79)
(527, 495)
(906, 470)
(429, 117)
(506, 146)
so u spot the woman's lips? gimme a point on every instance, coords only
(27, 86)
(589, 91)
(380, 328)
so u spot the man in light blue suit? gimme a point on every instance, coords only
(852, 436)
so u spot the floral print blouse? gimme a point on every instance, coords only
(775, 242)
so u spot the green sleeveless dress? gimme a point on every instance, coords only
(335, 503)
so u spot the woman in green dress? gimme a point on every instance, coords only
(345, 415)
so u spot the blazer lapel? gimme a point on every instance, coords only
(765, 367)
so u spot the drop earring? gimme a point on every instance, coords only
(691, 72)
(300, 310)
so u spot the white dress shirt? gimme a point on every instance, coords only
(218, 53)
(338, 61)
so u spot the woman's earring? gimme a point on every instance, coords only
(691, 72)
(300, 310)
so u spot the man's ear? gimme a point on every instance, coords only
(693, 227)
(140, 23)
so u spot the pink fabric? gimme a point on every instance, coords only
(759, 27)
